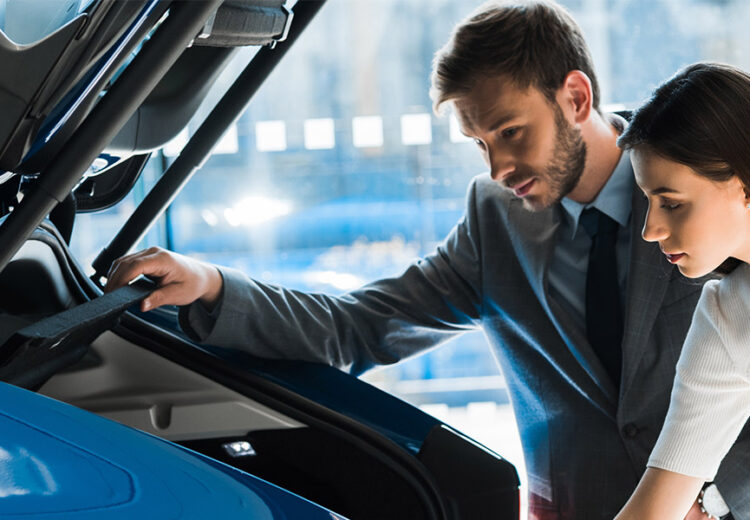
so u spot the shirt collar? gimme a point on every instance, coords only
(614, 200)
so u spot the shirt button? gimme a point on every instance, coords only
(630, 430)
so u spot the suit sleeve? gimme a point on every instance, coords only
(435, 298)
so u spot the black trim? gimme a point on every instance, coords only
(476, 482)
(323, 468)
(111, 186)
(41, 349)
(63, 217)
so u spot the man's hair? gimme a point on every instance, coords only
(532, 43)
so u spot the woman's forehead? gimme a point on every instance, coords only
(656, 173)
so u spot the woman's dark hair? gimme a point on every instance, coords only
(700, 117)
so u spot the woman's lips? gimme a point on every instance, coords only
(674, 258)
(522, 190)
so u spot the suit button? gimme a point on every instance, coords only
(630, 430)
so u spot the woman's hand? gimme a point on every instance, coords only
(663, 495)
(695, 513)
(180, 280)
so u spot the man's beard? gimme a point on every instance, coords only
(564, 171)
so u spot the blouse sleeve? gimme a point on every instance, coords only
(710, 400)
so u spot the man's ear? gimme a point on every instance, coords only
(576, 97)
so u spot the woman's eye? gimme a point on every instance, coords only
(479, 143)
(671, 206)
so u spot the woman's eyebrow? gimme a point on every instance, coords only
(663, 189)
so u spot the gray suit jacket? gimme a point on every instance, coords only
(585, 444)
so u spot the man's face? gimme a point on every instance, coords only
(529, 146)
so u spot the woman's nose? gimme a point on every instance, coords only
(654, 229)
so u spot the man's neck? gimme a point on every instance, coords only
(602, 156)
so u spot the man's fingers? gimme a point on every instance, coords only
(180, 280)
(150, 262)
(115, 271)
(125, 259)
(170, 294)
(124, 272)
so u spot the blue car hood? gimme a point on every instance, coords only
(57, 461)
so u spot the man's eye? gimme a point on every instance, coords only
(510, 132)
(479, 143)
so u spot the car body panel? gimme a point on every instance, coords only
(62, 462)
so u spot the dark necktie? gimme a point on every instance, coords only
(603, 309)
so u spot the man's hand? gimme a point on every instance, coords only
(181, 280)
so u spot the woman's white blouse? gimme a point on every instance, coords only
(711, 393)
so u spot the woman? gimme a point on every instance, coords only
(690, 148)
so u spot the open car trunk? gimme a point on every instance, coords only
(312, 430)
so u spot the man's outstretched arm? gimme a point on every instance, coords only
(434, 299)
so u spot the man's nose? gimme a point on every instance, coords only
(501, 165)
(654, 229)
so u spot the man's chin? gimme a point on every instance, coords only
(535, 203)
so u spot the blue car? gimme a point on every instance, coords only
(107, 412)
(59, 461)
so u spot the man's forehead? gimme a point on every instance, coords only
(499, 89)
(493, 100)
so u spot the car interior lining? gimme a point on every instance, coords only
(158, 396)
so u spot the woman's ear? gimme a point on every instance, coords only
(741, 190)
(576, 96)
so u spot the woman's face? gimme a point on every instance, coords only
(697, 222)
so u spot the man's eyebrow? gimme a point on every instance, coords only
(504, 119)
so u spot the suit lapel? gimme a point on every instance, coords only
(534, 236)
(648, 280)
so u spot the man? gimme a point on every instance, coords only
(586, 319)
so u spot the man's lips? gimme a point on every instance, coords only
(523, 188)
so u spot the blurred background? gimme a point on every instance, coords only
(339, 173)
